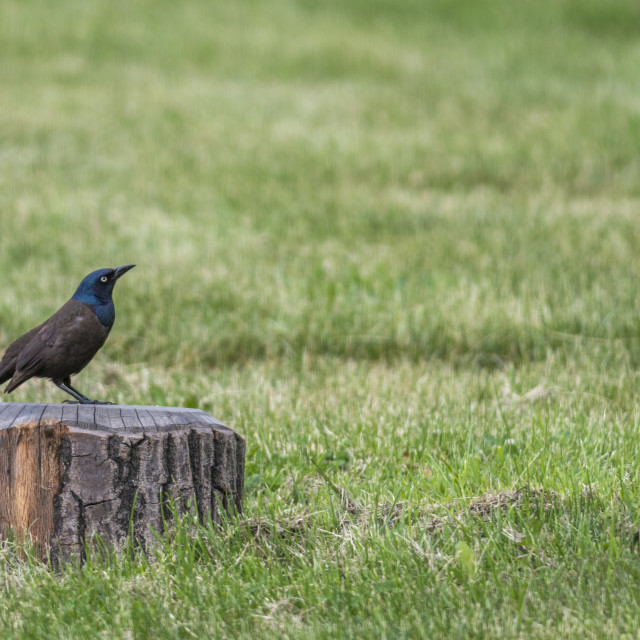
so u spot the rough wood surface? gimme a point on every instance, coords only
(68, 472)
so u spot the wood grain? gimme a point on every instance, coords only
(69, 473)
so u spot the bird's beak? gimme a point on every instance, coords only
(120, 271)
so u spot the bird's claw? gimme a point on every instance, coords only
(87, 401)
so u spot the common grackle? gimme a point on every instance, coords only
(64, 344)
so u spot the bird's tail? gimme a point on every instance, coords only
(6, 373)
(15, 383)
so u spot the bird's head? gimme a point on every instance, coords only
(97, 287)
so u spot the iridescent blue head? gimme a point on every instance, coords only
(96, 290)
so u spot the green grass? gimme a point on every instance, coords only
(364, 231)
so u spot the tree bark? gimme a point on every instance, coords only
(71, 472)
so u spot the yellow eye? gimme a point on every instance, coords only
(103, 279)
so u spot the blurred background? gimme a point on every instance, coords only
(365, 179)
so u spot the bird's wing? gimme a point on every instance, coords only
(10, 358)
(34, 353)
(61, 346)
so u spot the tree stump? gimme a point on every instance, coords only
(69, 472)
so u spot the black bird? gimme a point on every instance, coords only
(64, 344)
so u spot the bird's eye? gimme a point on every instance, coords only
(103, 279)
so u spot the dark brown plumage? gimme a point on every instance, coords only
(60, 347)
(65, 343)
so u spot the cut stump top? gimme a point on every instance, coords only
(136, 418)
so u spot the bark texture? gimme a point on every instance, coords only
(69, 472)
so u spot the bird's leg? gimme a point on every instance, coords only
(78, 396)
(65, 385)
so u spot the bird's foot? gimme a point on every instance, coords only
(86, 401)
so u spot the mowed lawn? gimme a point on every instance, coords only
(396, 246)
